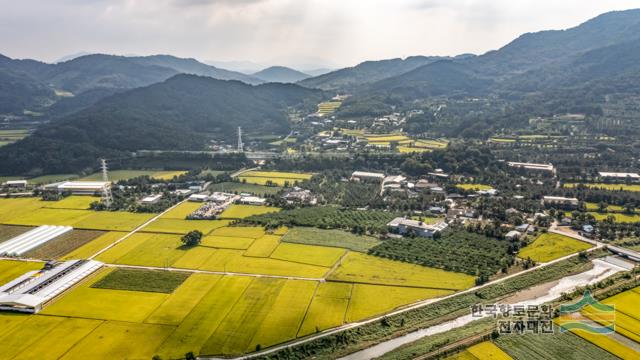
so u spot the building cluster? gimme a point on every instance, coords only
(300, 196)
(404, 226)
(532, 166)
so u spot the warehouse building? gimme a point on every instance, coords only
(532, 166)
(23, 243)
(30, 292)
(619, 175)
(79, 187)
(367, 176)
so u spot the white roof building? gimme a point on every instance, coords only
(80, 187)
(403, 226)
(198, 197)
(29, 292)
(619, 175)
(559, 200)
(364, 175)
(532, 166)
(16, 183)
(151, 199)
(252, 200)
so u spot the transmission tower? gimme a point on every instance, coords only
(240, 144)
(107, 197)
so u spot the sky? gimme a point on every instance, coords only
(301, 33)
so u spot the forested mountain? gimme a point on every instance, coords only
(352, 78)
(280, 74)
(94, 72)
(181, 113)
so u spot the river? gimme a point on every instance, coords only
(535, 295)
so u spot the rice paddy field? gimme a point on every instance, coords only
(550, 246)
(474, 186)
(243, 211)
(10, 136)
(622, 218)
(273, 178)
(254, 290)
(484, 350)
(328, 107)
(612, 187)
(237, 187)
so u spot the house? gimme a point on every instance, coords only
(405, 226)
(252, 200)
(513, 235)
(365, 176)
(619, 175)
(560, 201)
(532, 166)
(588, 229)
(151, 199)
(18, 184)
(79, 187)
(198, 198)
(300, 195)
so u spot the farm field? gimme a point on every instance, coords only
(63, 244)
(242, 211)
(551, 246)
(622, 218)
(627, 319)
(273, 177)
(484, 350)
(117, 175)
(413, 149)
(534, 346)
(182, 211)
(47, 179)
(7, 231)
(332, 238)
(10, 269)
(610, 208)
(179, 226)
(328, 107)
(308, 254)
(72, 202)
(89, 249)
(10, 136)
(612, 187)
(366, 269)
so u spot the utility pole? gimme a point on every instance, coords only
(107, 197)
(240, 144)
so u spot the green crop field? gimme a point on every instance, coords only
(328, 308)
(483, 350)
(361, 268)
(227, 242)
(146, 249)
(612, 187)
(622, 218)
(239, 231)
(142, 280)
(333, 238)
(48, 179)
(551, 246)
(15, 207)
(263, 246)
(243, 211)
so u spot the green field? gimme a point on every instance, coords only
(474, 186)
(63, 244)
(117, 175)
(308, 254)
(273, 177)
(623, 218)
(142, 280)
(612, 187)
(72, 202)
(47, 179)
(333, 238)
(549, 246)
(10, 269)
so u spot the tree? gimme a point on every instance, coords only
(190, 356)
(193, 238)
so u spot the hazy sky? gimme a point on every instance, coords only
(291, 32)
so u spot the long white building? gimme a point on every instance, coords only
(79, 187)
(31, 291)
(23, 243)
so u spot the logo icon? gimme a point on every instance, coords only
(589, 315)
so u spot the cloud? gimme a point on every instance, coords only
(285, 32)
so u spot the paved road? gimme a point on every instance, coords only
(631, 254)
(215, 272)
(136, 230)
(242, 171)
